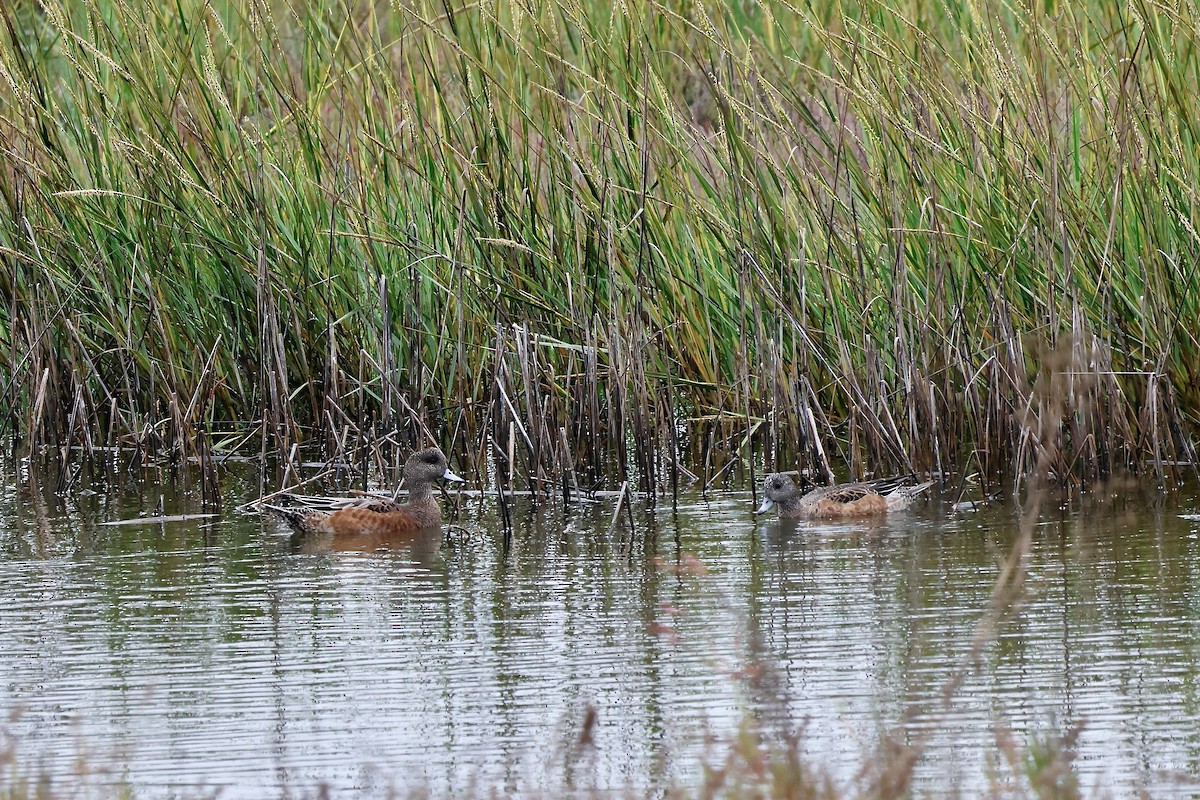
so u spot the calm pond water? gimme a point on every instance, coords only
(194, 657)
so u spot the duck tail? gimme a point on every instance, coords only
(301, 520)
(902, 496)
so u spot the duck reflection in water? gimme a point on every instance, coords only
(420, 547)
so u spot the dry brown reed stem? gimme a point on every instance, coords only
(273, 375)
(813, 217)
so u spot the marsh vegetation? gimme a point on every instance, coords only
(629, 246)
(599, 243)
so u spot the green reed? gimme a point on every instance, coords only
(844, 233)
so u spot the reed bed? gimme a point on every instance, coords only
(639, 244)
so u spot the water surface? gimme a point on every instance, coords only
(201, 656)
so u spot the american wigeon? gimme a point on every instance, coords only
(378, 516)
(847, 501)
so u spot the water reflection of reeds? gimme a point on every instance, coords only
(717, 653)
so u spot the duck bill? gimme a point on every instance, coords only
(450, 476)
(767, 505)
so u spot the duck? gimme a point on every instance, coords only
(844, 501)
(375, 516)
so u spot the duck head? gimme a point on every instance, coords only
(778, 487)
(426, 466)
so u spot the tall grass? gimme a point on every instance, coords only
(587, 241)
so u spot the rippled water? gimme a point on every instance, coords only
(197, 656)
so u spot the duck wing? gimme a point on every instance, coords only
(890, 483)
(380, 505)
(369, 502)
(848, 493)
